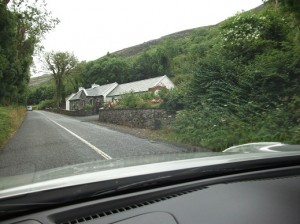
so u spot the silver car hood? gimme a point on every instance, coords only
(115, 169)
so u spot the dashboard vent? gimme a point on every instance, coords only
(125, 208)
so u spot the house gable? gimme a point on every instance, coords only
(165, 82)
(76, 96)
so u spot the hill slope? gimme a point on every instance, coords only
(131, 51)
(39, 80)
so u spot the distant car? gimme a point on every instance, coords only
(29, 108)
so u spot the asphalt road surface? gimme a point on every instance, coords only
(47, 140)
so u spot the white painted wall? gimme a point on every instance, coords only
(107, 98)
(68, 101)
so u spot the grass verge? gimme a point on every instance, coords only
(11, 118)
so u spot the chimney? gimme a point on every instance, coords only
(80, 88)
(94, 85)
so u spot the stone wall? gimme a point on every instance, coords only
(138, 118)
(73, 112)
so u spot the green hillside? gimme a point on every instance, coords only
(131, 51)
(39, 80)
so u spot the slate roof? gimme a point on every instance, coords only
(76, 96)
(96, 91)
(100, 90)
(137, 86)
(70, 96)
(114, 89)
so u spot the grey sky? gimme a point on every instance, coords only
(91, 28)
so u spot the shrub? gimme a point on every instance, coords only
(88, 106)
(173, 100)
(142, 100)
(218, 129)
(46, 104)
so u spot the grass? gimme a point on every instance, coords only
(11, 118)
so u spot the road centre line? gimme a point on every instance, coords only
(100, 152)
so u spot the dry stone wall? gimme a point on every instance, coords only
(73, 112)
(138, 118)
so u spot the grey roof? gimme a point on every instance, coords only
(96, 91)
(76, 96)
(113, 89)
(99, 90)
(137, 86)
(70, 96)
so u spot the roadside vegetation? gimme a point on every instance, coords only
(132, 100)
(246, 87)
(21, 30)
(11, 118)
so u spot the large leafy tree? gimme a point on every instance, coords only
(23, 24)
(60, 64)
(247, 34)
(254, 62)
(39, 94)
(151, 64)
(110, 68)
(76, 78)
(292, 6)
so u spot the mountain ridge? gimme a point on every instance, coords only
(130, 51)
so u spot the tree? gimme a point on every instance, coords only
(39, 94)
(60, 65)
(292, 6)
(110, 68)
(23, 24)
(76, 78)
(151, 63)
(248, 34)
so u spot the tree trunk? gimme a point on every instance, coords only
(58, 91)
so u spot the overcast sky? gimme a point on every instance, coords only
(91, 28)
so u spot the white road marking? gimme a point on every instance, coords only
(100, 152)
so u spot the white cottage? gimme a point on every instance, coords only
(141, 86)
(109, 92)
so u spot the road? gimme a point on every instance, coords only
(47, 140)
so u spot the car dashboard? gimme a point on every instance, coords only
(267, 196)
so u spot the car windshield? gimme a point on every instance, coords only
(96, 86)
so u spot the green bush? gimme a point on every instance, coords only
(245, 88)
(142, 100)
(88, 106)
(174, 99)
(46, 104)
(218, 129)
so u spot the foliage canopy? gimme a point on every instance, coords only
(22, 26)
